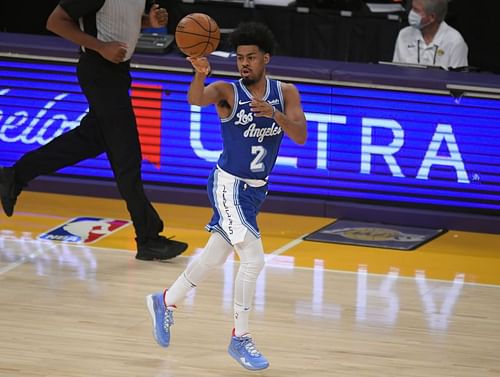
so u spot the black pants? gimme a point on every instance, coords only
(109, 127)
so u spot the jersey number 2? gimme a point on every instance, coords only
(260, 152)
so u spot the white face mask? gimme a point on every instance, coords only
(415, 20)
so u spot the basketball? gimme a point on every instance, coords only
(197, 34)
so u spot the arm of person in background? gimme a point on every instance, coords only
(201, 95)
(458, 55)
(156, 18)
(60, 23)
(292, 120)
(398, 58)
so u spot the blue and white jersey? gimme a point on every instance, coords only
(251, 144)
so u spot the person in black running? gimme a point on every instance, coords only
(107, 31)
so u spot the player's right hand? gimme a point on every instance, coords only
(114, 51)
(200, 65)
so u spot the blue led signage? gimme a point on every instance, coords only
(370, 145)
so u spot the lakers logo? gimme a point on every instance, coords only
(375, 234)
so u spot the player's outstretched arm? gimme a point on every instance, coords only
(198, 93)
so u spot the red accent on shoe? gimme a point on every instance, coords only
(239, 336)
(165, 301)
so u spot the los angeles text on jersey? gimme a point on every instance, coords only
(261, 133)
(244, 118)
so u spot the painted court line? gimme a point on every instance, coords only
(284, 248)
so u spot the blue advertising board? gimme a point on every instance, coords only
(364, 145)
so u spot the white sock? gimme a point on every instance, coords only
(251, 253)
(241, 319)
(178, 290)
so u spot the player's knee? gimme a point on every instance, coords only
(258, 263)
(251, 268)
(208, 264)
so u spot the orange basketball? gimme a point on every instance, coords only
(197, 35)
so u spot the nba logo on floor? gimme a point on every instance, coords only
(84, 230)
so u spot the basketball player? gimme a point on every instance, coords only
(255, 112)
(107, 31)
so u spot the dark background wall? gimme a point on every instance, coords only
(323, 34)
(479, 23)
(27, 16)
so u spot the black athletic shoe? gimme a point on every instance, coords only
(160, 248)
(9, 191)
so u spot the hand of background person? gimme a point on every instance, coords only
(113, 51)
(158, 17)
(200, 65)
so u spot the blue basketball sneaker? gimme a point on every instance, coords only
(243, 350)
(162, 316)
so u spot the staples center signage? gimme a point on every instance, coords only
(375, 146)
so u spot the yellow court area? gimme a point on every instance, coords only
(472, 257)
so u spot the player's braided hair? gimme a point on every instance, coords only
(253, 33)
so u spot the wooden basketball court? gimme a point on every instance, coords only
(320, 309)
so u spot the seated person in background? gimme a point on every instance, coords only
(429, 40)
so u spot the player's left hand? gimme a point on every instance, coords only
(261, 108)
(158, 17)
